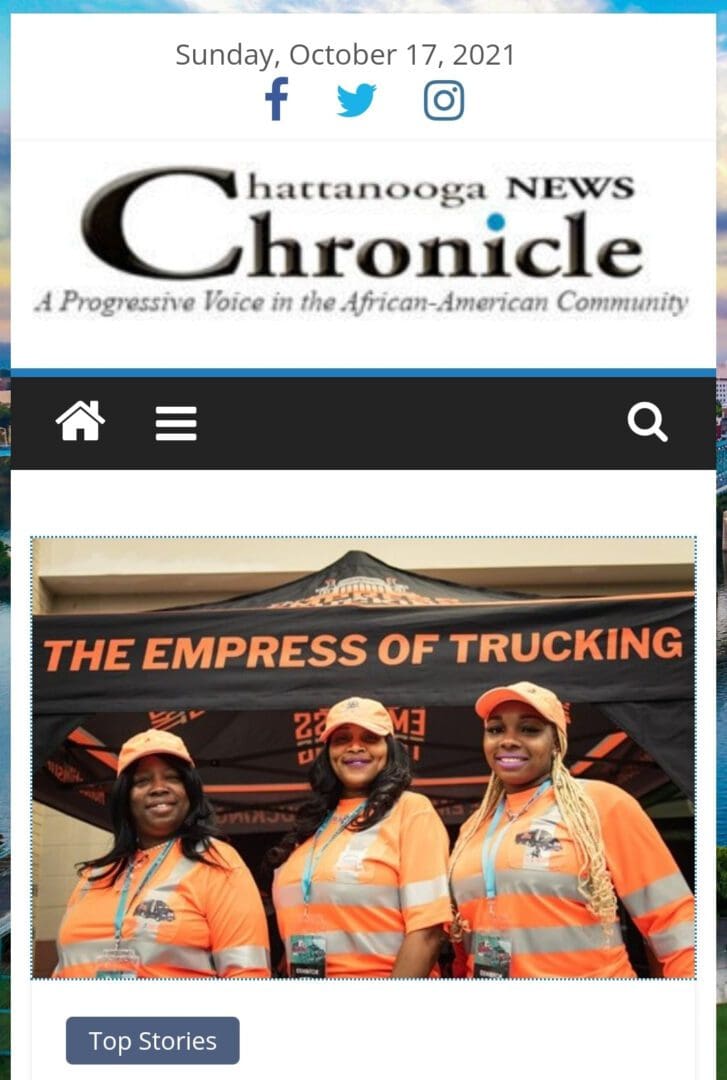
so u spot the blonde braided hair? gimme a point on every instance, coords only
(581, 820)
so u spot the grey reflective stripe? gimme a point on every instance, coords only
(338, 943)
(385, 943)
(150, 953)
(552, 939)
(148, 930)
(173, 879)
(341, 894)
(344, 894)
(185, 866)
(354, 853)
(423, 892)
(469, 888)
(551, 816)
(657, 893)
(81, 952)
(527, 882)
(555, 939)
(174, 956)
(521, 883)
(680, 936)
(254, 957)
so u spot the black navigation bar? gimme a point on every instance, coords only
(363, 422)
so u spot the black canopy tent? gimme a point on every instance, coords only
(246, 683)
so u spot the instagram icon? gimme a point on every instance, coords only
(443, 99)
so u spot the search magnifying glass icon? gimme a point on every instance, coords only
(654, 414)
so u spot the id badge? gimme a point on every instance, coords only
(307, 956)
(121, 962)
(493, 954)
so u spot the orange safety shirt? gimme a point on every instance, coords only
(538, 907)
(191, 920)
(369, 888)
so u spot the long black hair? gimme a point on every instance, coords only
(384, 793)
(196, 831)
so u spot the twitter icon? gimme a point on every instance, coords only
(353, 104)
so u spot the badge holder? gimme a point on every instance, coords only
(308, 949)
(307, 958)
(492, 949)
(120, 962)
(493, 956)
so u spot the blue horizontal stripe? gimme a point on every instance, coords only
(366, 373)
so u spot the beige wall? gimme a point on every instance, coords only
(77, 575)
(59, 842)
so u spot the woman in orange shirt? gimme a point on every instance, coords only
(360, 889)
(169, 900)
(536, 871)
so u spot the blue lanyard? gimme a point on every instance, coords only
(490, 849)
(313, 860)
(123, 906)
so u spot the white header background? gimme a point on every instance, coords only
(598, 96)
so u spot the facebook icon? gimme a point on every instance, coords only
(275, 95)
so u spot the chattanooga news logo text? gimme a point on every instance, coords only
(569, 251)
(500, 245)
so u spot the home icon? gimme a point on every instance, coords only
(80, 422)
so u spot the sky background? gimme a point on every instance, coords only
(379, 6)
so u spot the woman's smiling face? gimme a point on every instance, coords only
(357, 756)
(518, 745)
(158, 802)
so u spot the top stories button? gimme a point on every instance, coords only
(153, 1040)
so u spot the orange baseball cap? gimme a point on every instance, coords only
(365, 712)
(542, 701)
(151, 742)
